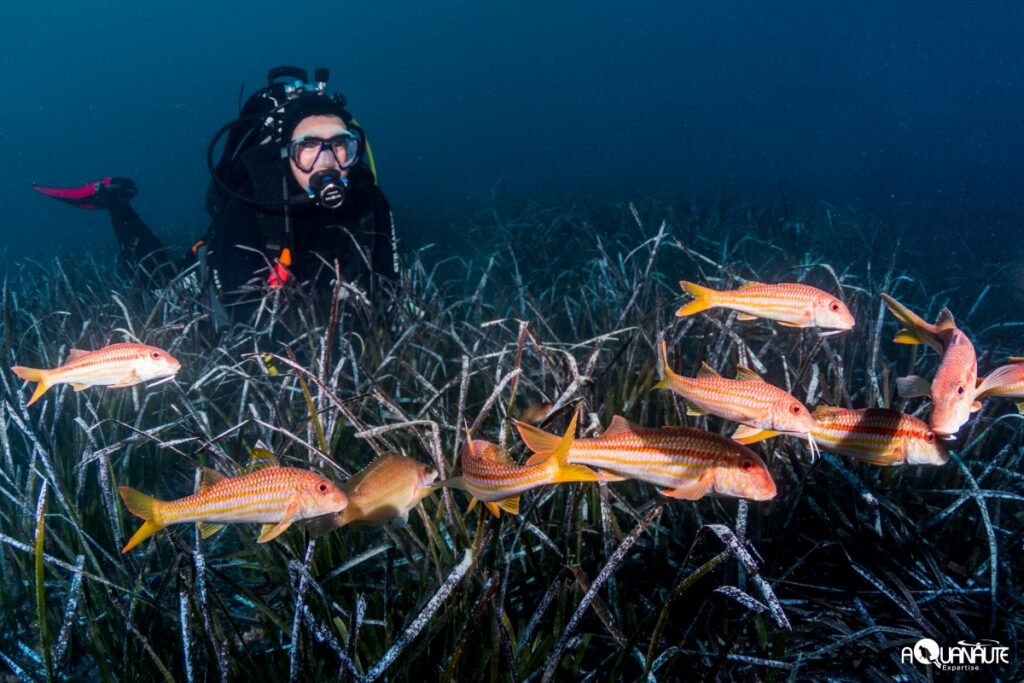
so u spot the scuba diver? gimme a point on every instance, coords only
(294, 190)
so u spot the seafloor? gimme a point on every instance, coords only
(538, 305)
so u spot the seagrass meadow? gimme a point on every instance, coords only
(605, 581)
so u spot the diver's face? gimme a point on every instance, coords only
(325, 128)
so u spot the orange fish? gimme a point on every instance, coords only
(1006, 381)
(748, 399)
(953, 391)
(789, 303)
(490, 475)
(388, 487)
(874, 435)
(689, 463)
(274, 496)
(117, 365)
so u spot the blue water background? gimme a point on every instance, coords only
(914, 111)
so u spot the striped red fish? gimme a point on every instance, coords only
(689, 463)
(789, 303)
(953, 390)
(1006, 381)
(748, 399)
(874, 435)
(388, 487)
(490, 475)
(117, 365)
(273, 496)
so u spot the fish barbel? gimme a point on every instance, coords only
(953, 390)
(788, 303)
(273, 496)
(388, 487)
(490, 475)
(874, 435)
(689, 463)
(117, 365)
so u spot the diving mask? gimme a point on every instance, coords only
(307, 152)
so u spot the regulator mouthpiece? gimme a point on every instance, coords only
(327, 189)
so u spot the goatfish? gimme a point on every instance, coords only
(748, 399)
(388, 487)
(689, 463)
(873, 435)
(117, 365)
(1006, 381)
(490, 475)
(273, 496)
(788, 303)
(953, 390)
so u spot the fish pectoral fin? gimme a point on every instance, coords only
(268, 532)
(695, 490)
(207, 529)
(78, 386)
(324, 524)
(1020, 406)
(975, 406)
(129, 380)
(787, 324)
(271, 531)
(611, 476)
(745, 317)
(913, 385)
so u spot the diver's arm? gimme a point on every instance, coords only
(384, 243)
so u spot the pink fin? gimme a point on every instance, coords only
(695, 490)
(75, 354)
(620, 425)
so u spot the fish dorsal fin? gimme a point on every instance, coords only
(747, 286)
(945, 320)
(1015, 359)
(75, 354)
(746, 374)
(208, 477)
(620, 425)
(707, 371)
(260, 458)
(822, 412)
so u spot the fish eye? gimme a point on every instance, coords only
(834, 307)
(795, 408)
(322, 488)
(960, 390)
(155, 355)
(929, 437)
(746, 464)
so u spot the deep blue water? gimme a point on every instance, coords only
(911, 110)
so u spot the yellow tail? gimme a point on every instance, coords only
(915, 329)
(34, 375)
(146, 507)
(667, 373)
(554, 451)
(702, 299)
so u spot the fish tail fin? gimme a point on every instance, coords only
(34, 375)
(667, 373)
(562, 471)
(537, 440)
(915, 329)
(146, 507)
(702, 299)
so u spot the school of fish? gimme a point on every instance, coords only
(683, 462)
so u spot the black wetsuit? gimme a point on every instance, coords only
(244, 237)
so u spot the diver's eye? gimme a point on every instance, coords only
(746, 465)
(834, 307)
(929, 437)
(795, 409)
(960, 390)
(322, 488)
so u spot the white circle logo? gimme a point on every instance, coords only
(926, 651)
